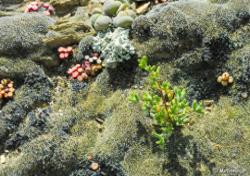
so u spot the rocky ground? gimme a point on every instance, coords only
(56, 126)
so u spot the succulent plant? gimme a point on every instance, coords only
(113, 13)
(94, 18)
(127, 12)
(6, 89)
(65, 53)
(38, 6)
(123, 21)
(166, 105)
(225, 79)
(102, 23)
(110, 7)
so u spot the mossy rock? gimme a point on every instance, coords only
(16, 69)
(67, 31)
(63, 7)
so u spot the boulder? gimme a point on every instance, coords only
(22, 34)
(197, 39)
(63, 7)
(67, 31)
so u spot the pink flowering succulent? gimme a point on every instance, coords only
(65, 52)
(94, 58)
(83, 71)
(38, 6)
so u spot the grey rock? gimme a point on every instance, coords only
(22, 34)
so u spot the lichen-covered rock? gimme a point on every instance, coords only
(63, 7)
(68, 31)
(58, 127)
(34, 93)
(114, 47)
(8, 2)
(239, 67)
(100, 123)
(84, 48)
(22, 34)
(197, 43)
(15, 69)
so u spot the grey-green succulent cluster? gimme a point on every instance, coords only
(113, 14)
(114, 46)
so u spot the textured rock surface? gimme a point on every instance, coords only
(68, 30)
(53, 125)
(66, 6)
(22, 34)
(198, 38)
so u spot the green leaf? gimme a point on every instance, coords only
(143, 62)
(197, 107)
(133, 97)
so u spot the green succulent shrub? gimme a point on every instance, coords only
(166, 105)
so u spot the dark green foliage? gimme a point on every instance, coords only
(167, 106)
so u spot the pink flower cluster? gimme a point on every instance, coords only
(84, 71)
(94, 58)
(79, 71)
(38, 6)
(65, 53)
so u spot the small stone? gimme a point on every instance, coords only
(94, 166)
(244, 95)
(99, 120)
(143, 8)
(208, 102)
(209, 109)
(2, 159)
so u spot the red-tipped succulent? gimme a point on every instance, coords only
(84, 71)
(78, 71)
(65, 53)
(38, 6)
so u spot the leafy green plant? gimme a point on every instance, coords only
(167, 106)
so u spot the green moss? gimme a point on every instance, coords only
(83, 138)
(16, 68)
(120, 130)
(140, 160)
(224, 131)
